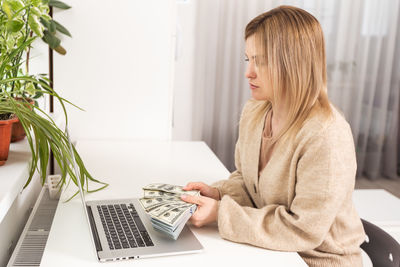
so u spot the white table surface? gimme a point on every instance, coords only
(380, 208)
(128, 166)
(377, 206)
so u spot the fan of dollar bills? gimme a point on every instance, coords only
(168, 212)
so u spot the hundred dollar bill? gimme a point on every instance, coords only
(163, 208)
(173, 233)
(168, 212)
(173, 199)
(173, 216)
(155, 193)
(171, 228)
(151, 203)
(176, 189)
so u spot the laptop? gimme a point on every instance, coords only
(121, 229)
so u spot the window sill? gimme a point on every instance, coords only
(13, 175)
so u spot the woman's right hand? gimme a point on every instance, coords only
(205, 190)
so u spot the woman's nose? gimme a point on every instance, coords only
(250, 71)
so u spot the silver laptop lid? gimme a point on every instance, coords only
(77, 174)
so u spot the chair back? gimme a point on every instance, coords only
(382, 248)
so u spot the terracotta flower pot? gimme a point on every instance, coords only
(5, 138)
(18, 132)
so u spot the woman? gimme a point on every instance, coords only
(295, 158)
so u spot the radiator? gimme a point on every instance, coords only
(30, 247)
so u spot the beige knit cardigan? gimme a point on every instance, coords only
(302, 200)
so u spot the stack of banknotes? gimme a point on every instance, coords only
(168, 212)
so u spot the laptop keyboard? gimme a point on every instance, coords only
(123, 227)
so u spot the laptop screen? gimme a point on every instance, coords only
(77, 175)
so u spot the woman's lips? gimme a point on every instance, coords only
(252, 86)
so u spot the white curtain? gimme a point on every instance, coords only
(363, 58)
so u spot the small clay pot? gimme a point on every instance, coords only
(5, 138)
(18, 131)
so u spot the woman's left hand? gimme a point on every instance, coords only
(207, 209)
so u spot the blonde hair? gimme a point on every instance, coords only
(292, 43)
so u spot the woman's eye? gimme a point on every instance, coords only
(246, 59)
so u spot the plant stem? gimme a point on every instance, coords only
(18, 58)
(27, 55)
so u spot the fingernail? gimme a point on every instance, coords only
(184, 196)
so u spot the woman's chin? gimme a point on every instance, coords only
(257, 97)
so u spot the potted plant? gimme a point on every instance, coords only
(6, 122)
(21, 23)
(16, 15)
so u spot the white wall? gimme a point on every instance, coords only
(183, 81)
(118, 67)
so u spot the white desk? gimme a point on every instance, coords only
(128, 166)
(380, 208)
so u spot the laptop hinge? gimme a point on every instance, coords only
(94, 230)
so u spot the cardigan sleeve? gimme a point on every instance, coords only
(234, 186)
(325, 176)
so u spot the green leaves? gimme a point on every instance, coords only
(62, 29)
(51, 39)
(36, 2)
(58, 4)
(7, 9)
(19, 19)
(14, 25)
(43, 134)
(35, 25)
(21, 22)
(15, 4)
(36, 11)
(52, 27)
(30, 88)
